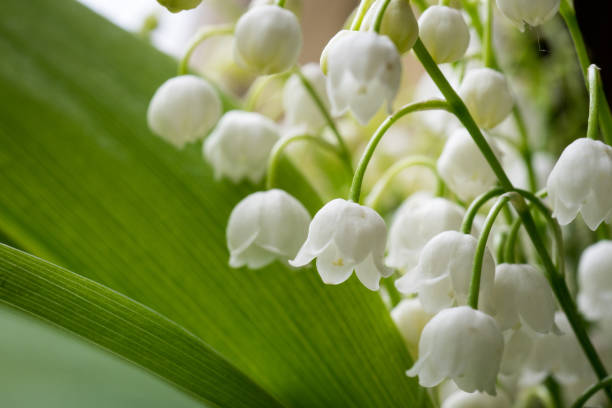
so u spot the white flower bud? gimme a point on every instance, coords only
(417, 223)
(265, 226)
(294, 6)
(442, 277)
(461, 399)
(364, 71)
(268, 39)
(239, 146)
(410, 319)
(444, 33)
(487, 96)
(344, 236)
(183, 110)
(301, 111)
(462, 344)
(522, 295)
(595, 280)
(463, 167)
(580, 182)
(399, 23)
(532, 12)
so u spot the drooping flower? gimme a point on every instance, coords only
(398, 23)
(410, 319)
(487, 96)
(463, 167)
(595, 280)
(444, 33)
(532, 12)
(238, 148)
(442, 277)
(265, 226)
(462, 344)
(462, 399)
(580, 182)
(523, 295)
(415, 224)
(363, 73)
(183, 110)
(345, 236)
(268, 39)
(301, 111)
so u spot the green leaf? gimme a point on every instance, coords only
(84, 184)
(125, 327)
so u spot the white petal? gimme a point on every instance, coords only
(332, 267)
(368, 273)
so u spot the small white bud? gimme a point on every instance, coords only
(580, 182)
(442, 277)
(238, 148)
(364, 72)
(268, 39)
(461, 399)
(415, 224)
(399, 23)
(183, 110)
(410, 319)
(265, 226)
(301, 111)
(463, 167)
(522, 295)
(487, 96)
(345, 236)
(444, 33)
(595, 280)
(532, 12)
(462, 344)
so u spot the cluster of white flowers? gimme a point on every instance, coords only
(359, 73)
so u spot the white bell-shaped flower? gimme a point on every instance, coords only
(442, 277)
(462, 344)
(344, 236)
(238, 148)
(265, 226)
(301, 111)
(183, 110)
(415, 224)
(444, 33)
(523, 295)
(580, 182)
(410, 319)
(268, 39)
(518, 345)
(363, 73)
(463, 167)
(532, 12)
(595, 280)
(487, 96)
(462, 399)
(398, 23)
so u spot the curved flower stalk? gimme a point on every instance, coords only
(301, 111)
(265, 226)
(344, 236)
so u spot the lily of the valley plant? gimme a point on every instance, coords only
(445, 197)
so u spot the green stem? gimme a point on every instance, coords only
(594, 84)
(344, 151)
(373, 198)
(481, 247)
(380, 14)
(591, 391)
(524, 148)
(364, 5)
(509, 251)
(487, 43)
(380, 132)
(472, 211)
(280, 146)
(558, 284)
(201, 36)
(605, 115)
(280, 3)
(394, 296)
(471, 8)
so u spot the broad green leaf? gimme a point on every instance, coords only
(125, 327)
(84, 184)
